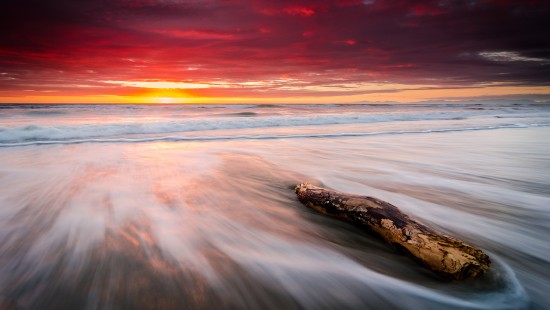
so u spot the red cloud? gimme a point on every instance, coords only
(51, 44)
(350, 42)
(303, 11)
(299, 10)
(421, 9)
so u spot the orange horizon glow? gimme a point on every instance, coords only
(177, 96)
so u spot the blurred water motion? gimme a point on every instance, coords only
(215, 224)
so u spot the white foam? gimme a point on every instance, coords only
(41, 132)
(46, 141)
(78, 124)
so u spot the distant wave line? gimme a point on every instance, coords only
(68, 132)
(265, 137)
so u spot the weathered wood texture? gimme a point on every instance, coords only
(447, 256)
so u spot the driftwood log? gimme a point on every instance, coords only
(449, 257)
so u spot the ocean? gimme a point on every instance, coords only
(192, 206)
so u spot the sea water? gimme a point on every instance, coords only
(192, 207)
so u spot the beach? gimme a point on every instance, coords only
(174, 206)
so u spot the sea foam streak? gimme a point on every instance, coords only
(134, 128)
(193, 207)
(260, 137)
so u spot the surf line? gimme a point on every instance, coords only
(264, 137)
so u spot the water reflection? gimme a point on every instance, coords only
(192, 225)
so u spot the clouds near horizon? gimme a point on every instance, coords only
(271, 48)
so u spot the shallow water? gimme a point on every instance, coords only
(192, 207)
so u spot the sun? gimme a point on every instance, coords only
(166, 100)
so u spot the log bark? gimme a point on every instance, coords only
(449, 257)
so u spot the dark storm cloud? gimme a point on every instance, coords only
(421, 42)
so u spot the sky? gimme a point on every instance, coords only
(248, 51)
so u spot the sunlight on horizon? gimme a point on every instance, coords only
(180, 96)
(166, 100)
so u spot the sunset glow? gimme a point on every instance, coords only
(168, 51)
(284, 154)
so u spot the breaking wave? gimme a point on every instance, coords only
(136, 129)
(44, 141)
